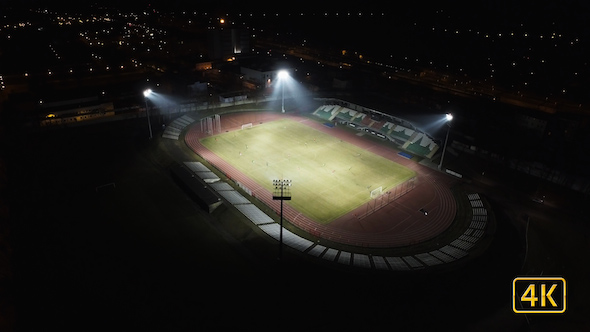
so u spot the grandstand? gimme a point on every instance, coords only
(196, 189)
(174, 129)
(382, 125)
(327, 112)
(420, 144)
(400, 132)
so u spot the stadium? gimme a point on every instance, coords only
(363, 192)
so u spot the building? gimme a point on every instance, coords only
(262, 73)
(259, 75)
(224, 43)
(232, 97)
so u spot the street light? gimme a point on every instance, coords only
(282, 75)
(146, 94)
(449, 118)
(282, 192)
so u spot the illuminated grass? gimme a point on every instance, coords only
(330, 177)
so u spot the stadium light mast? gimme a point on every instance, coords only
(146, 94)
(282, 75)
(449, 118)
(281, 192)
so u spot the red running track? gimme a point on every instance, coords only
(399, 223)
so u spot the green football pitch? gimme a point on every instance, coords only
(330, 177)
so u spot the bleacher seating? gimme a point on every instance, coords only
(234, 197)
(463, 245)
(202, 171)
(476, 203)
(362, 119)
(253, 213)
(442, 256)
(290, 239)
(413, 262)
(324, 112)
(386, 126)
(454, 252)
(317, 250)
(428, 259)
(397, 263)
(402, 132)
(361, 260)
(378, 126)
(174, 129)
(380, 263)
(418, 150)
(345, 114)
(344, 257)
(480, 212)
(473, 197)
(330, 254)
(420, 144)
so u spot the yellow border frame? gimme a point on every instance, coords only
(537, 311)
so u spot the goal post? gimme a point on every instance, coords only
(247, 126)
(376, 192)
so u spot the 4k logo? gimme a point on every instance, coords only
(532, 295)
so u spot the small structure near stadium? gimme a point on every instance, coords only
(196, 188)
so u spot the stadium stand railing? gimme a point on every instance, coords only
(380, 124)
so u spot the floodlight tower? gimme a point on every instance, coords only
(146, 94)
(282, 75)
(282, 192)
(449, 118)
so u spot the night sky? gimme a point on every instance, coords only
(538, 46)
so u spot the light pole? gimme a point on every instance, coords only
(282, 77)
(449, 117)
(282, 192)
(146, 94)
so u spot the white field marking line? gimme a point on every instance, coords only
(282, 159)
(401, 223)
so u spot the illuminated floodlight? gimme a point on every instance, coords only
(146, 94)
(449, 117)
(282, 74)
(285, 86)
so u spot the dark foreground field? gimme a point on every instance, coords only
(141, 256)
